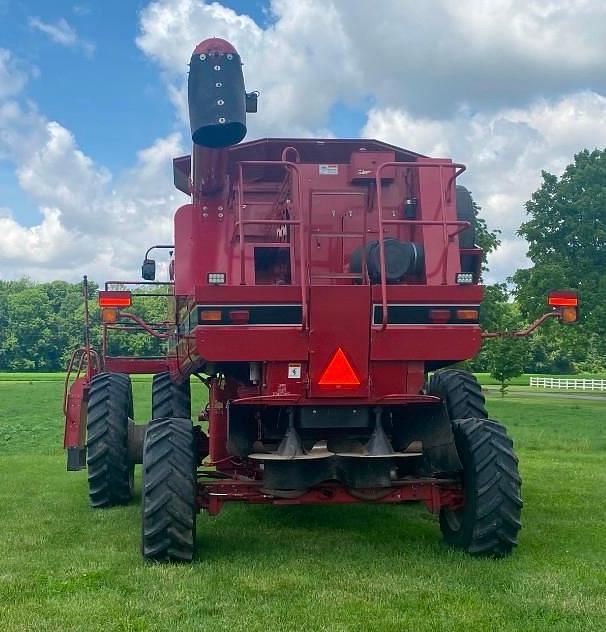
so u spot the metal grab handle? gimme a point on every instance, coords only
(241, 222)
(459, 169)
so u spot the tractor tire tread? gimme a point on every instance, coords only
(461, 392)
(169, 491)
(108, 413)
(491, 517)
(170, 399)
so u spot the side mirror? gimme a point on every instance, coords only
(566, 302)
(148, 270)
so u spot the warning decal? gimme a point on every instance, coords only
(328, 170)
(294, 371)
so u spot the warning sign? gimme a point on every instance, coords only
(339, 372)
(294, 371)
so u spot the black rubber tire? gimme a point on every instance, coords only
(489, 522)
(168, 530)
(460, 392)
(465, 212)
(170, 399)
(110, 471)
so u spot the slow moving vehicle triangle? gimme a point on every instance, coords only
(339, 372)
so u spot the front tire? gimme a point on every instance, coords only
(488, 523)
(169, 491)
(110, 471)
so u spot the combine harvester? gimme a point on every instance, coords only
(314, 287)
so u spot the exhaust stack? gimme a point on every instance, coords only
(216, 95)
(218, 105)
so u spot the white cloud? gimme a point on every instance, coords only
(61, 32)
(510, 87)
(12, 78)
(505, 152)
(301, 63)
(90, 221)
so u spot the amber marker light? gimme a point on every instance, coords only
(109, 315)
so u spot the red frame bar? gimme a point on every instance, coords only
(434, 493)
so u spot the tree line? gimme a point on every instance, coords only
(41, 323)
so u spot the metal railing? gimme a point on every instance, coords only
(568, 383)
(445, 223)
(458, 226)
(298, 206)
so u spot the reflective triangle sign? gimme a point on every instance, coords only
(339, 372)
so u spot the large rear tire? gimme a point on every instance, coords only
(168, 530)
(488, 523)
(170, 399)
(460, 392)
(110, 471)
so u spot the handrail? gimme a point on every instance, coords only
(459, 169)
(93, 368)
(241, 222)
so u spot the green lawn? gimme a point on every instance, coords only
(66, 567)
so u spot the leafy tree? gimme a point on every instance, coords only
(566, 232)
(506, 356)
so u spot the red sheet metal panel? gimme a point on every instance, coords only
(429, 342)
(339, 319)
(251, 344)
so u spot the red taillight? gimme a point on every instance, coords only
(339, 372)
(239, 316)
(115, 298)
(439, 315)
(563, 298)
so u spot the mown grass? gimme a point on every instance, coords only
(66, 567)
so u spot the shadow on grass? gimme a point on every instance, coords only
(244, 531)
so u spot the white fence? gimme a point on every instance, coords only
(567, 383)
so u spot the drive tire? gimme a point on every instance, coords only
(170, 399)
(109, 411)
(461, 393)
(488, 523)
(168, 530)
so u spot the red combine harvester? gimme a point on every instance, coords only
(315, 285)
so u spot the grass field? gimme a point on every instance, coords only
(66, 567)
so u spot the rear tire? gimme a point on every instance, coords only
(110, 471)
(170, 399)
(489, 522)
(460, 392)
(168, 531)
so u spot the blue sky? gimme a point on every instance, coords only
(109, 94)
(112, 99)
(92, 105)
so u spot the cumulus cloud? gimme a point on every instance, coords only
(90, 221)
(301, 63)
(505, 152)
(509, 87)
(92, 225)
(429, 58)
(61, 32)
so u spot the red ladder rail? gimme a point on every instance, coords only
(241, 222)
